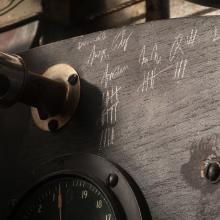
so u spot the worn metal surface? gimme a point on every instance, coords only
(19, 39)
(149, 102)
(183, 8)
(14, 11)
(115, 13)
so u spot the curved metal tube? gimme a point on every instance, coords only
(17, 84)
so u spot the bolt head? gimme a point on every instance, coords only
(112, 180)
(213, 172)
(73, 79)
(53, 125)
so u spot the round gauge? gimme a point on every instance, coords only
(73, 189)
(67, 197)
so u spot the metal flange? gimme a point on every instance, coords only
(68, 75)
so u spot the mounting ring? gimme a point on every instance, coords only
(68, 75)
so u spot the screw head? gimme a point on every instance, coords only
(213, 172)
(73, 79)
(112, 180)
(53, 125)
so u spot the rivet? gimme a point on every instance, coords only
(112, 180)
(53, 125)
(73, 79)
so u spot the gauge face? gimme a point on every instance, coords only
(66, 198)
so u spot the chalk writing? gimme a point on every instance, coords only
(190, 40)
(120, 40)
(107, 137)
(180, 69)
(100, 37)
(154, 55)
(109, 116)
(114, 74)
(100, 55)
(179, 42)
(149, 79)
(111, 101)
(143, 59)
(176, 47)
(150, 62)
(216, 36)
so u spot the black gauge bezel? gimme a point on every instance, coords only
(108, 195)
(125, 197)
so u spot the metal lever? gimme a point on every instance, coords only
(54, 94)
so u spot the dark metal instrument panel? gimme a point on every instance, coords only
(149, 102)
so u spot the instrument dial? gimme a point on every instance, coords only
(67, 198)
(75, 190)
